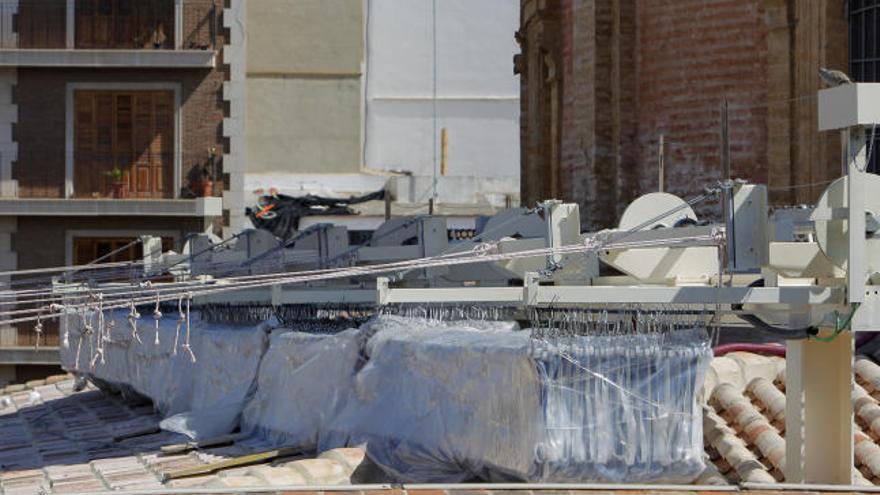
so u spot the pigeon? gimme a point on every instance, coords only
(833, 78)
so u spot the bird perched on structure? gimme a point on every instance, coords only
(833, 77)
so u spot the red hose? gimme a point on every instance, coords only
(769, 349)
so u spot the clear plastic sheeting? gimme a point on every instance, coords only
(454, 403)
(430, 401)
(200, 399)
(304, 380)
(621, 408)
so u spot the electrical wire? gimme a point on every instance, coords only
(317, 275)
(115, 300)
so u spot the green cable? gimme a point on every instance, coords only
(838, 327)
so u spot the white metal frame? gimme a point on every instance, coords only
(819, 416)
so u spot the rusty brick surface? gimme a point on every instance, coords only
(629, 71)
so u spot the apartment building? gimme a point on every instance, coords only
(114, 112)
(111, 115)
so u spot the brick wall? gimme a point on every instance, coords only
(41, 93)
(40, 131)
(634, 69)
(692, 55)
(42, 242)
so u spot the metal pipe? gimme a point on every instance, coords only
(811, 488)
(440, 486)
(771, 349)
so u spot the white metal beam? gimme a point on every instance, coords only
(856, 265)
(818, 413)
(548, 295)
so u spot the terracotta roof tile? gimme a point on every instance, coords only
(55, 440)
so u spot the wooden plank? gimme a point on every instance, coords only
(180, 448)
(140, 432)
(244, 460)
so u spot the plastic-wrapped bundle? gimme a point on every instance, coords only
(207, 395)
(304, 380)
(444, 402)
(453, 403)
(622, 408)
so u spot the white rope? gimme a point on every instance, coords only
(157, 316)
(448, 260)
(186, 345)
(480, 255)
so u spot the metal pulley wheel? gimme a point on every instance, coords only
(650, 205)
(832, 234)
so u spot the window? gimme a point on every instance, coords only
(125, 24)
(864, 53)
(123, 144)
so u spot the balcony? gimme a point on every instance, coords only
(111, 184)
(108, 33)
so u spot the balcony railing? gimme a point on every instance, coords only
(108, 25)
(120, 175)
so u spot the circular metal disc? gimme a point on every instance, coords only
(650, 205)
(832, 235)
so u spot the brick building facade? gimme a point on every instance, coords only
(602, 80)
(106, 107)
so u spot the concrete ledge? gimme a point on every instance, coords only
(29, 355)
(201, 207)
(167, 59)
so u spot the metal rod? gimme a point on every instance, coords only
(725, 142)
(444, 151)
(469, 486)
(661, 151)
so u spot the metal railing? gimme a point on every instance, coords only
(108, 24)
(119, 175)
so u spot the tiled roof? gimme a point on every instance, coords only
(54, 439)
(57, 440)
(744, 421)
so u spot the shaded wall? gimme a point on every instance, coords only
(616, 74)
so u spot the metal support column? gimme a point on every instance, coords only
(818, 412)
(70, 24)
(856, 269)
(178, 24)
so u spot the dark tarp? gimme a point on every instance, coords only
(280, 214)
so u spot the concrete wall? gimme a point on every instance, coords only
(8, 120)
(327, 96)
(303, 86)
(477, 92)
(303, 125)
(294, 91)
(318, 37)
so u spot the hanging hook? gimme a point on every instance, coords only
(181, 319)
(38, 329)
(133, 317)
(157, 315)
(186, 344)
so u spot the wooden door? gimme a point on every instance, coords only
(129, 130)
(40, 23)
(88, 249)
